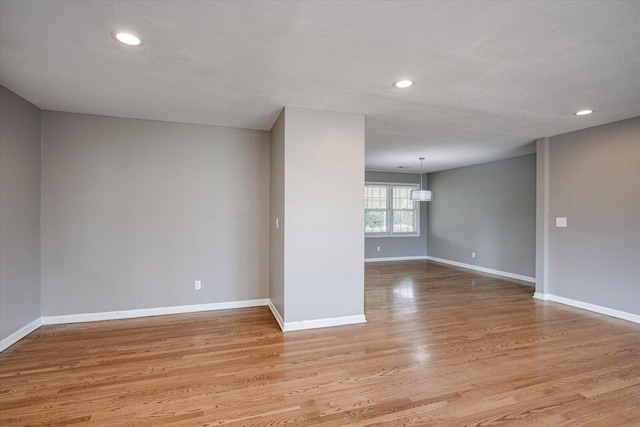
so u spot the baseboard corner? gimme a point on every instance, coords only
(20, 334)
(276, 315)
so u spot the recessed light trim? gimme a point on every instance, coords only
(127, 38)
(403, 84)
(583, 112)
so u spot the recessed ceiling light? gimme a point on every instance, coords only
(128, 39)
(583, 112)
(403, 84)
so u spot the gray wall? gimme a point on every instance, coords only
(398, 246)
(19, 213)
(324, 248)
(488, 208)
(276, 253)
(133, 211)
(595, 182)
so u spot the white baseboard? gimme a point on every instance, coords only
(144, 312)
(159, 311)
(324, 323)
(19, 334)
(315, 323)
(484, 269)
(276, 315)
(399, 258)
(591, 307)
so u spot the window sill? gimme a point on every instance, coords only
(366, 236)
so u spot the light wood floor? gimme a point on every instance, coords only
(442, 347)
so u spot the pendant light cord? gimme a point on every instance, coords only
(421, 159)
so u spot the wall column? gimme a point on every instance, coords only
(317, 219)
(542, 218)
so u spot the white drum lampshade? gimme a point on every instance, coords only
(421, 195)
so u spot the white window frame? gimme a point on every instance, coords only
(389, 232)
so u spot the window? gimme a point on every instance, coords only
(389, 210)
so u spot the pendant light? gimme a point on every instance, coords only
(421, 195)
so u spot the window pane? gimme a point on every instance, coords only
(404, 222)
(375, 221)
(375, 197)
(402, 198)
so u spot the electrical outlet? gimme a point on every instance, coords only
(473, 254)
(378, 248)
(198, 285)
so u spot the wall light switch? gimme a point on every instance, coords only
(561, 221)
(277, 223)
(378, 248)
(198, 285)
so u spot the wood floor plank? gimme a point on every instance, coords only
(442, 347)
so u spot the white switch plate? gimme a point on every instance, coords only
(378, 248)
(473, 254)
(561, 221)
(198, 285)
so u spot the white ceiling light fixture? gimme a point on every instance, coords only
(128, 39)
(583, 112)
(403, 84)
(421, 195)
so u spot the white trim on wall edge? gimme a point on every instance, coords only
(531, 280)
(276, 314)
(19, 334)
(144, 312)
(324, 323)
(399, 258)
(590, 307)
(315, 323)
(180, 309)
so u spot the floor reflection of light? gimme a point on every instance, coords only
(404, 289)
(420, 353)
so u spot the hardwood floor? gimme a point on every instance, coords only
(442, 347)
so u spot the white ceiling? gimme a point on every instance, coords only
(490, 76)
